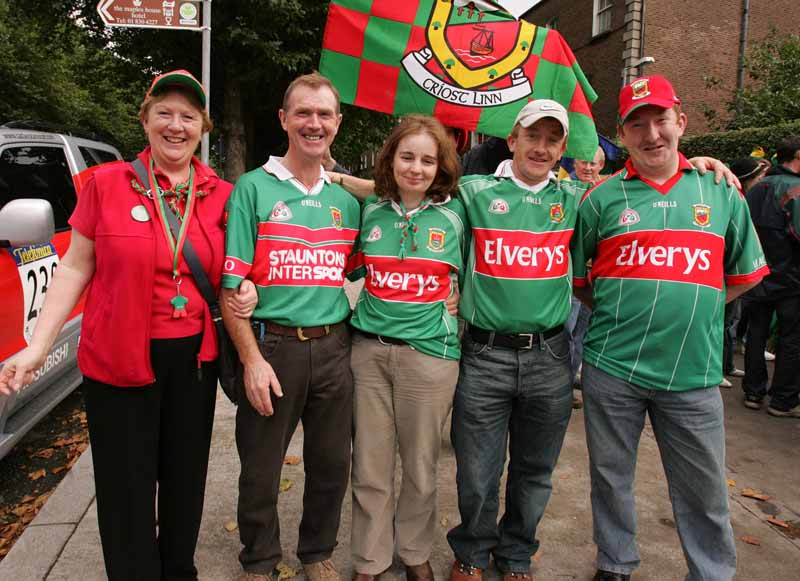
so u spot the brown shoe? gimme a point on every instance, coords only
(321, 571)
(421, 572)
(512, 576)
(463, 572)
(365, 576)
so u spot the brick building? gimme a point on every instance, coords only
(689, 41)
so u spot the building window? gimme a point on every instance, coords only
(601, 17)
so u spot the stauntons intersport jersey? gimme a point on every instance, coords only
(293, 245)
(405, 298)
(662, 256)
(518, 277)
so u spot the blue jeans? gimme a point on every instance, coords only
(520, 400)
(690, 431)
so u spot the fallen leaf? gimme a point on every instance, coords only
(285, 571)
(231, 526)
(45, 453)
(537, 557)
(41, 473)
(292, 460)
(444, 522)
(731, 482)
(27, 499)
(57, 469)
(751, 540)
(777, 522)
(750, 493)
(286, 484)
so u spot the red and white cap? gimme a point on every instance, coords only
(653, 90)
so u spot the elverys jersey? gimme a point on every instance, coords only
(404, 298)
(293, 245)
(662, 256)
(518, 276)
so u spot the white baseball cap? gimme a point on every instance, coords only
(541, 108)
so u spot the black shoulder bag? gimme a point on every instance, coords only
(228, 361)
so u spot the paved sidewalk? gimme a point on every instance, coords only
(62, 543)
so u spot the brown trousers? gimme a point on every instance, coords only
(402, 399)
(317, 390)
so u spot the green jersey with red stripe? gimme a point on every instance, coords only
(662, 256)
(293, 243)
(518, 277)
(404, 298)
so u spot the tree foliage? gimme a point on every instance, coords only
(772, 93)
(59, 63)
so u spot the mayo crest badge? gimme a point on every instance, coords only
(557, 213)
(436, 239)
(336, 216)
(702, 215)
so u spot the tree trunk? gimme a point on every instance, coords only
(235, 147)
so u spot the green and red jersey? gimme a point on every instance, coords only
(293, 243)
(518, 277)
(662, 256)
(404, 298)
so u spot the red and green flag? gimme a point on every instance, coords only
(470, 68)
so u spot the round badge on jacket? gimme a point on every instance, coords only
(140, 214)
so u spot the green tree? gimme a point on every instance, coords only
(772, 94)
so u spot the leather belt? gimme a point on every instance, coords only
(302, 333)
(512, 340)
(383, 340)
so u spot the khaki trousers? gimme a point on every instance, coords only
(401, 401)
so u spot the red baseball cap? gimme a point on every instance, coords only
(179, 77)
(654, 90)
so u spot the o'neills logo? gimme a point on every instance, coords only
(424, 281)
(521, 255)
(670, 255)
(474, 54)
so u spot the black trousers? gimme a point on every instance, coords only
(785, 387)
(152, 438)
(318, 390)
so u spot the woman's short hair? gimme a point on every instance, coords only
(190, 95)
(446, 181)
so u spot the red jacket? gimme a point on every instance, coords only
(115, 335)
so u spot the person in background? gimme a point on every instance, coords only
(750, 171)
(587, 172)
(775, 206)
(669, 248)
(148, 344)
(406, 348)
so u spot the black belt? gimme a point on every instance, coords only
(382, 339)
(512, 340)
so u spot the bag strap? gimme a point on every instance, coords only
(189, 255)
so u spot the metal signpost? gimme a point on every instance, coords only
(173, 15)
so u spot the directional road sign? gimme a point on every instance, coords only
(175, 14)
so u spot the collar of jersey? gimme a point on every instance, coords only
(683, 165)
(506, 170)
(399, 210)
(275, 167)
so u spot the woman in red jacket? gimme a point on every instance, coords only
(148, 345)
